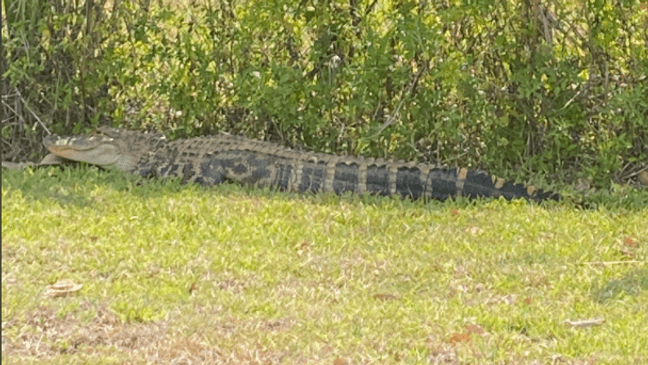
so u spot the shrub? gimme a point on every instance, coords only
(511, 86)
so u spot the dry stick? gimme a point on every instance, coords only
(636, 172)
(572, 99)
(392, 117)
(613, 262)
(585, 322)
(13, 110)
(32, 112)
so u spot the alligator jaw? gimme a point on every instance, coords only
(93, 150)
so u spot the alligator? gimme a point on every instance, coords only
(211, 160)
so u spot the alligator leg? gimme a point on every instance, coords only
(211, 173)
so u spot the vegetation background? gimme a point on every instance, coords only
(553, 90)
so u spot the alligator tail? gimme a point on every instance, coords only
(415, 181)
(475, 183)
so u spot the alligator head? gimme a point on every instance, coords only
(108, 147)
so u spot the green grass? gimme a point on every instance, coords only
(231, 274)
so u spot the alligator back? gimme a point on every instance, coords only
(212, 160)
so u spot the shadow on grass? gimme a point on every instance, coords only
(72, 185)
(632, 283)
(620, 197)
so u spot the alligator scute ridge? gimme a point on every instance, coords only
(210, 160)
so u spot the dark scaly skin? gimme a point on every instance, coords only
(213, 159)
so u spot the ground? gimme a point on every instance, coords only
(183, 274)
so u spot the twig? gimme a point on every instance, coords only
(614, 262)
(635, 173)
(13, 110)
(32, 112)
(394, 115)
(571, 100)
(8, 96)
(585, 322)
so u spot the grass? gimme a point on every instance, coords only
(182, 274)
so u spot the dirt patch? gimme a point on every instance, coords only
(44, 334)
